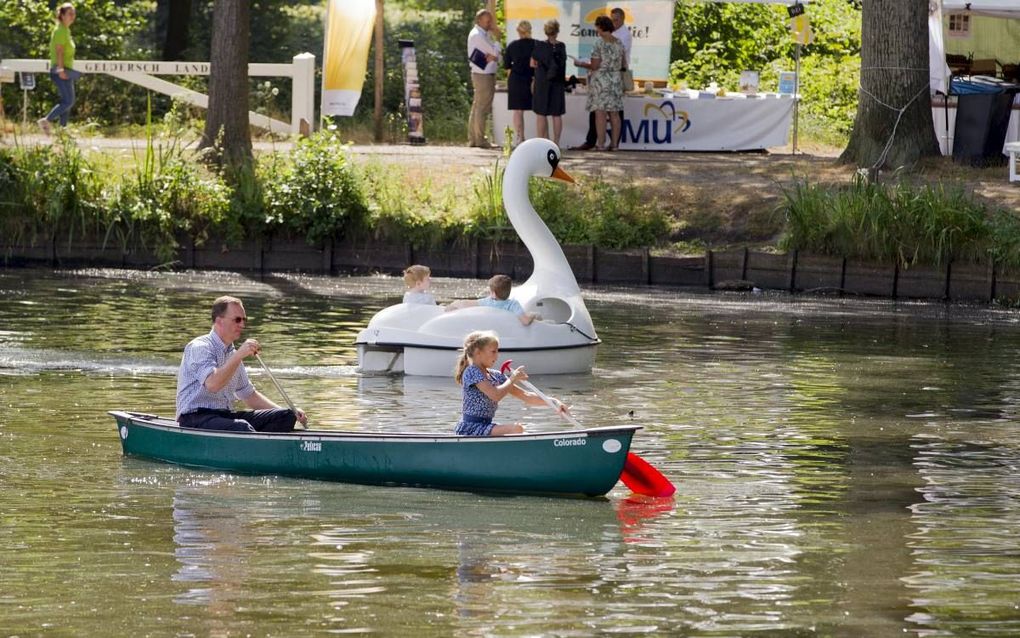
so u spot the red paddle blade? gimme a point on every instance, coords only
(639, 475)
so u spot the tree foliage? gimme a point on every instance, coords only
(714, 42)
(104, 30)
(711, 42)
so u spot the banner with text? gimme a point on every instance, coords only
(650, 23)
(349, 26)
(680, 124)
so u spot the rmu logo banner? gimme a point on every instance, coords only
(659, 124)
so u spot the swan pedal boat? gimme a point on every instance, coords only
(586, 462)
(419, 339)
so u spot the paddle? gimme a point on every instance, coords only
(638, 474)
(279, 388)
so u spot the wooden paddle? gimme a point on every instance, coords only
(638, 474)
(279, 388)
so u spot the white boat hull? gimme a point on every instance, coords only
(425, 340)
(439, 362)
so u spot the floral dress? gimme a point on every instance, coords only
(605, 87)
(478, 408)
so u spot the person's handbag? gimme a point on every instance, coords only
(627, 79)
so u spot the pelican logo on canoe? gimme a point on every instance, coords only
(569, 442)
(311, 446)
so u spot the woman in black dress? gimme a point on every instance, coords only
(518, 60)
(549, 60)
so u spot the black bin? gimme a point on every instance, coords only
(982, 116)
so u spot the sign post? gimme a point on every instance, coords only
(800, 28)
(27, 83)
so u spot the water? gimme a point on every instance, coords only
(845, 468)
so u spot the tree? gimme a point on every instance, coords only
(226, 123)
(894, 126)
(178, 22)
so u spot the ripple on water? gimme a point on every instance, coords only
(845, 467)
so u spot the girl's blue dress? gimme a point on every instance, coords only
(478, 409)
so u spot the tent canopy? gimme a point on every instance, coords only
(994, 8)
(936, 45)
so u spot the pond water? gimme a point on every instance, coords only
(845, 467)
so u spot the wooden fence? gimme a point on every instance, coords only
(734, 269)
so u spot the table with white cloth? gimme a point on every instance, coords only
(689, 121)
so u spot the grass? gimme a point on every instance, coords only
(901, 221)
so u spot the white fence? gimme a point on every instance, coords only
(141, 72)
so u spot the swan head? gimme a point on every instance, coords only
(538, 157)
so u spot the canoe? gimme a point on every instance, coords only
(584, 462)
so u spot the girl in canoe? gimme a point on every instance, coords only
(484, 387)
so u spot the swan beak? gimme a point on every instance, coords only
(559, 173)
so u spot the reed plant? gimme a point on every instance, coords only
(167, 195)
(409, 208)
(50, 192)
(911, 224)
(486, 217)
(600, 213)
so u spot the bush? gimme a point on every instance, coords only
(316, 192)
(600, 214)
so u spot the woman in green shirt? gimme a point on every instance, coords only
(62, 67)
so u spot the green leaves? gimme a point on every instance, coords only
(315, 192)
(714, 42)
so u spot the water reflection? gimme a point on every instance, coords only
(845, 467)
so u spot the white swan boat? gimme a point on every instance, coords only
(418, 339)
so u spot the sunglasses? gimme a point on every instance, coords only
(241, 320)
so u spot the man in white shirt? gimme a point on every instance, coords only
(621, 33)
(483, 78)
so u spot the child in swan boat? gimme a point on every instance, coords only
(418, 278)
(499, 293)
(484, 387)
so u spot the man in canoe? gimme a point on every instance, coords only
(212, 376)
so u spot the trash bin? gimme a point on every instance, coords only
(982, 117)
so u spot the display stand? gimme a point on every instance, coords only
(412, 93)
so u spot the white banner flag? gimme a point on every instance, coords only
(349, 26)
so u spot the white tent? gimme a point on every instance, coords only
(936, 44)
(994, 8)
(943, 115)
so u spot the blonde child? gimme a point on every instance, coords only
(418, 279)
(484, 387)
(499, 297)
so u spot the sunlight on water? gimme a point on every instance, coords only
(845, 467)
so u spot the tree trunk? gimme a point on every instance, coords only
(226, 123)
(894, 75)
(178, 22)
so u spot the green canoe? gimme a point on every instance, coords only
(567, 463)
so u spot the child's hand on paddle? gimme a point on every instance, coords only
(519, 374)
